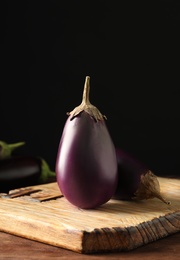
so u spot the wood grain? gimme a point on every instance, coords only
(43, 214)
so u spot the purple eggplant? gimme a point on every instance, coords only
(86, 164)
(135, 179)
(21, 171)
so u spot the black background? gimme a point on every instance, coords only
(130, 50)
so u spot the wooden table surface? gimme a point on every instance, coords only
(13, 247)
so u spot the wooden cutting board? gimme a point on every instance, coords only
(42, 214)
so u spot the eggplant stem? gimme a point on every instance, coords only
(7, 149)
(15, 145)
(46, 173)
(158, 196)
(85, 97)
(86, 105)
(149, 188)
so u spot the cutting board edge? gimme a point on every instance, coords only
(130, 238)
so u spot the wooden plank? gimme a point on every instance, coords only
(41, 213)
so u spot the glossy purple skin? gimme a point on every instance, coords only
(130, 170)
(86, 165)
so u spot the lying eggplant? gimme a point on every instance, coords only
(22, 171)
(135, 179)
(6, 149)
(86, 164)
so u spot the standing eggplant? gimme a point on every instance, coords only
(86, 164)
(135, 179)
(21, 171)
(6, 149)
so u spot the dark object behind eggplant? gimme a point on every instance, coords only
(21, 171)
(135, 180)
(129, 174)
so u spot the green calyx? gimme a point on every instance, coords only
(7, 149)
(46, 172)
